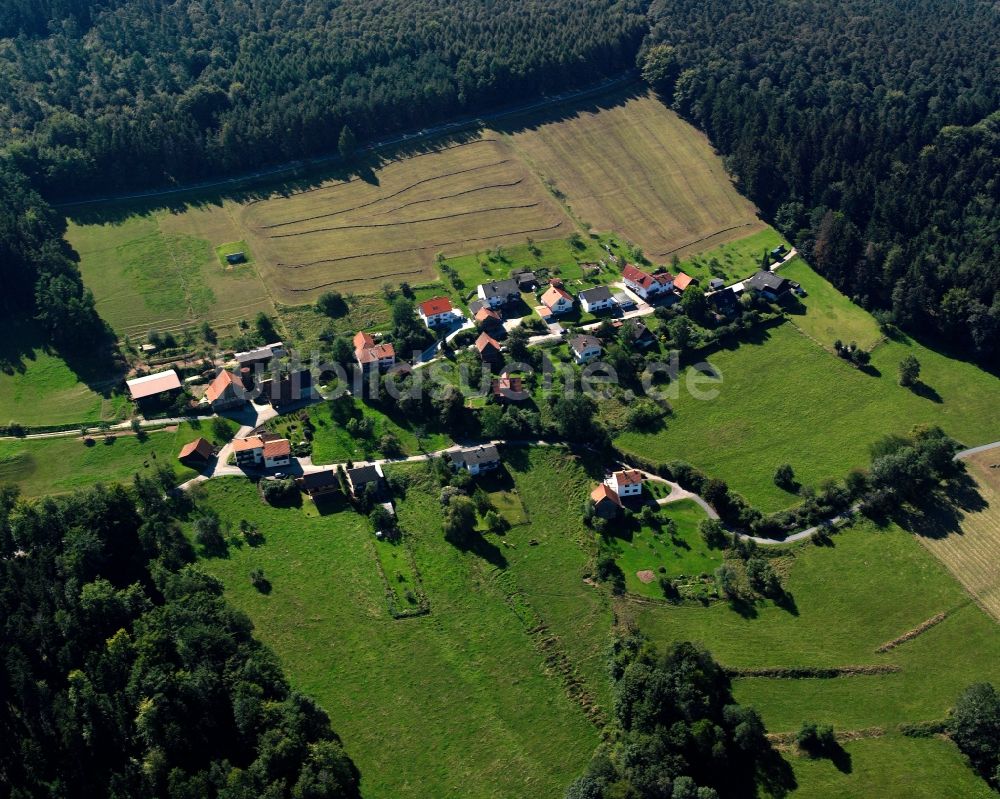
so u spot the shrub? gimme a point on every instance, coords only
(608, 571)
(816, 739)
(280, 492)
(784, 477)
(713, 534)
(259, 581)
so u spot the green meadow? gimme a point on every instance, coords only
(786, 399)
(57, 465)
(732, 261)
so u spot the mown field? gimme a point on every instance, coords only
(787, 399)
(870, 587)
(158, 270)
(388, 226)
(57, 465)
(971, 557)
(628, 164)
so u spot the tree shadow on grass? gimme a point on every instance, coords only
(786, 601)
(942, 512)
(745, 607)
(487, 550)
(841, 759)
(775, 775)
(923, 390)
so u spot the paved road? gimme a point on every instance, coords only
(965, 453)
(390, 141)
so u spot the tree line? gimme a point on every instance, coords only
(867, 131)
(125, 673)
(130, 93)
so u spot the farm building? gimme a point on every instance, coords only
(557, 300)
(499, 292)
(154, 388)
(607, 505)
(261, 355)
(585, 348)
(488, 319)
(361, 477)
(225, 392)
(436, 312)
(596, 299)
(196, 453)
(476, 459)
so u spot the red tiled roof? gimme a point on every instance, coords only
(628, 477)
(200, 447)
(222, 381)
(244, 444)
(486, 313)
(363, 340)
(508, 385)
(151, 385)
(553, 295)
(282, 448)
(603, 492)
(644, 279)
(376, 353)
(437, 305)
(682, 281)
(485, 341)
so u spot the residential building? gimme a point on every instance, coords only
(316, 484)
(288, 388)
(266, 451)
(585, 348)
(488, 348)
(638, 335)
(627, 483)
(151, 388)
(436, 312)
(499, 292)
(607, 504)
(770, 285)
(488, 319)
(277, 452)
(624, 300)
(196, 453)
(596, 299)
(476, 459)
(261, 355)
(225, 391)
(377, 356)
(508, 388)
(359, 478)
(557, 300)
(724, 302)
(646, 285)
(363, 340)
(682, 281)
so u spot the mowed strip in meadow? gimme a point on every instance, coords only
(629, 164)
(355, 235)
(972, 555)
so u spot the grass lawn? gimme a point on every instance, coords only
(400, 575)
(733, 260)
(229, 249)
(56, 465)
(37, 387)
(869, 588)
(787, 400)
(460, 699)
(682, 554)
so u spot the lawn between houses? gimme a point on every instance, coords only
(788, 399)
(867, 588)
(40, 466)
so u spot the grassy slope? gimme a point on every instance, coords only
(787, 400)
(869, 588)
(733, 260)
(57, 465)
(458, 700)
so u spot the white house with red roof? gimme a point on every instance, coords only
(626, 483)
(557, 300)
(645, 284)
(266, 451)
(436, 312)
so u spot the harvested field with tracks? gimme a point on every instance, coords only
(971, 556)
(387, 226)
(629, 164)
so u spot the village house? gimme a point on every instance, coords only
(488, 320)
(370, 355)
(225, 392)
(317, 484)
(488, 348)
(626, 483)
(508, 388)
(499, 292)
(682, 281)
(436, 312)
(155, 388)
(638, 335)
(585, 348)
(265, 450)
(557, 300)
(287, 389)
(724, 302)
(196, 453)
(607, 505)
(770, 285)
(360, 477)
(261, 355)
(646, 285)
(476, 459)
(596, 299)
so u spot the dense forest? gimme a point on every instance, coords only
(869, 131)
(124, 673)
(98, 96)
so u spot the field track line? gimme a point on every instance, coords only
(405, 222)
(703, 238)
(357, 279)
(452, 196)
(422, 247)
(386, 197)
